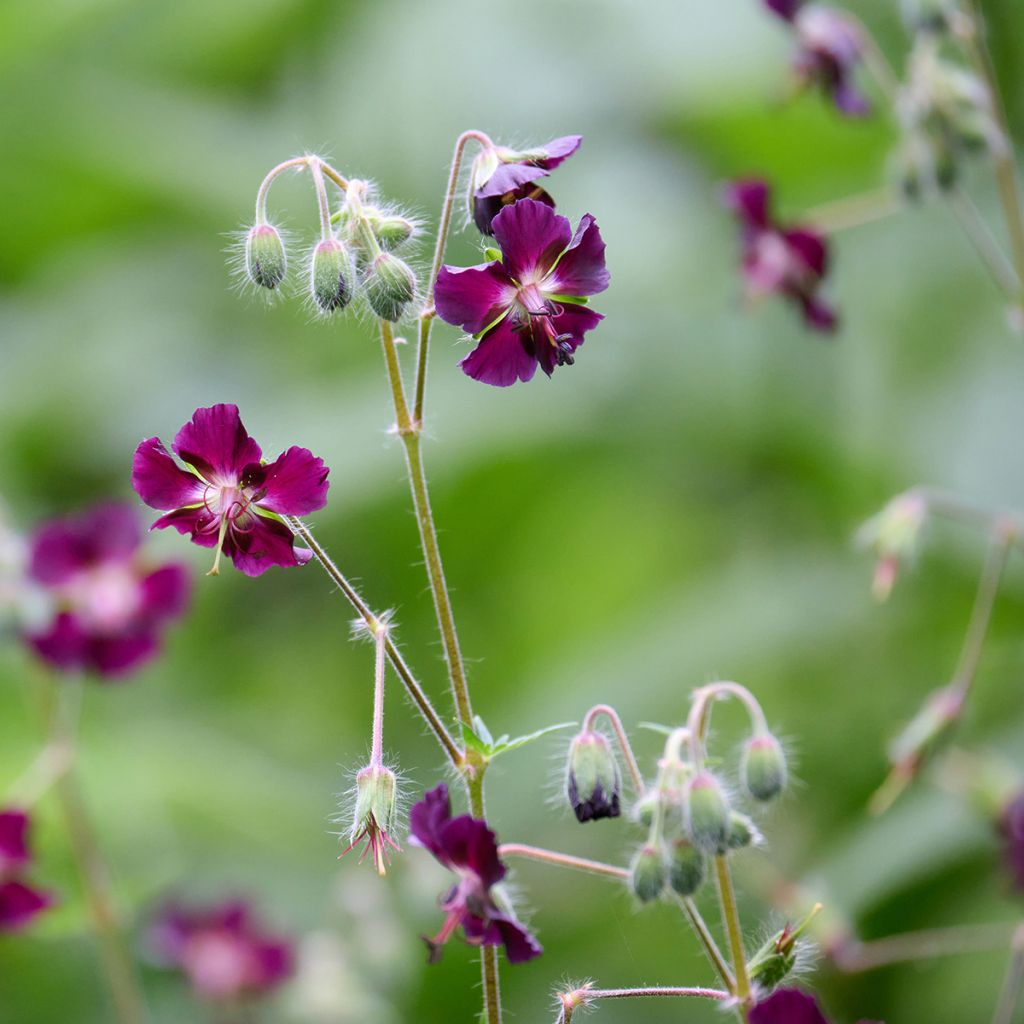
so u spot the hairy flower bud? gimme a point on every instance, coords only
(771, 964)
(593, 782)
(742, 831)
(390, 230)
(374, 815)
(647, 873)
(763, 767)
(330, 277)
(390, 286)
(265, 258)
(708, 816)
(686, 867)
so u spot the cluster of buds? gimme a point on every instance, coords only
(894, 535)
(936, 17)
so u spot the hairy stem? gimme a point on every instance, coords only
(620, 734)
(413, 688)
(731, 923)
(380, 643)
(562, 860)
(707, 941)
(853, 211)
(489, 972)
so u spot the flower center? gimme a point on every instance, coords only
(535, 314)
(105, 597)
(229, 505)
(217, 963)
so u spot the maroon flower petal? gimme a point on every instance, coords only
(216, 442)
(810, 247)
(817, 314)
(115, 656)
(749, 200)
(469, 844)
(20, 903)
(787, 1006)
(427, 817)
(532, 236)
(159, 481)
(783, 8)
(64, 645)
(14, 852)
(501, 357)
(165, 593)
(508, 177)
(197, 521)
(581, 270)
(519, 944)
(273, 963)
(558, 150)
(849, 99)
(64, 547)
(294, 484)
(473, 297)
(265, 543)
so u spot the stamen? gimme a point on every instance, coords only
(215, 571)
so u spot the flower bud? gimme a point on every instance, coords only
(646, 807)
(265, 258)
(894, 535)
(685, 867)
(375, 795)
(708, 814)
(771, 964)
(764, 767)
(390, 230)
(647, 873)
(931, 15)
(742, 831)
(330, 278)
(593, 782)
(390, 285)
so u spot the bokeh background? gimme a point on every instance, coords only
(675, 508)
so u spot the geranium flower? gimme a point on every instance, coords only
(777, 259)
(1011, 828)
(526, 309)
(830, 47)
(789, 1006)
(108, 605)
(226, 497)
(500, 176)
(466, 846)
(19, 901)
(222, 950)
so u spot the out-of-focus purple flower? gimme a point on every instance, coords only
(223, 950)
(526, 309)
(108, 606)
(500, 176)
(227, 497)
(789, 1006)
(1011, 828)
(830, 46)
(777, 259)
(466, 846)
(19, 901)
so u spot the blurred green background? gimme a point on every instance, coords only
(675, 508)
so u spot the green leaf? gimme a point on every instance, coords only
(504, 744)
(656, 727)
(478, 737)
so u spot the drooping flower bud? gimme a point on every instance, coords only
(686, 867)
(708, 817)
(647, 873)
(593, 781)
(646, 807)
(390, 286)
(330, 277)
(764, 767)
(390, 230)
(894, 535)
(265, 259)
(374, 815)
(742, 831)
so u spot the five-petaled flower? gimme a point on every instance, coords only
(526, 309)
(107, 606)
(501, 176)
(227, 497)
(777, 259)
(468, 847)
(830, 47)
(19, 901)
(789, 1006)
(222, 950)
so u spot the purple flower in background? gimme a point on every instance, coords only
(830, 47)
(223, 951)
(526, 309)
(226, 497)
(501, 176)
(781, 260)
(1011, 828)
(19, 901)
(109, 607)
(789, 1006)
(466, 846)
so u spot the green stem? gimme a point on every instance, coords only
(489, 971)
(853, 211)
(984, 244)
(731, 922)
(624, 745)
(707, 941)
(1009, 997)
(562, 860)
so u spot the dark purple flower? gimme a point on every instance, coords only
(778, 259)
(466, 846)
(109, 607)
(227, 497)
(19, 901)
(501, 176)
(222, 950)
(1011, 828)
(830, 47)
(789, 1006)
(526, 309)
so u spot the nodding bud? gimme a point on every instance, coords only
(265, 258)
(374, 816)
(686, 867)
(593, 781)
(894, 535)
(742, 831)
(390, 286)
(647, 873)
(646, 807)
(708, 817)
(330, 276)
(390, 230)
(764, 767)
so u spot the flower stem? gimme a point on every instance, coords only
(410, 434)
(413, 688)
(620, 734)
(264, 189)
(428, 312)
(731, 922)
(489, 971)
(562, 860)
(380, 643)
(1009, 997)
(853, 211)
(125, 991)
(707, 941)
(984, 244)
(323, 203)
(699, 721)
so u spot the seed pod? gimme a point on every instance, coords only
(390, 286)
(330, 278)
(265, 258)
(764, 767)
(647, 873)
(686, 867)
(708, 816)
(593, 781)
(375, 798)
